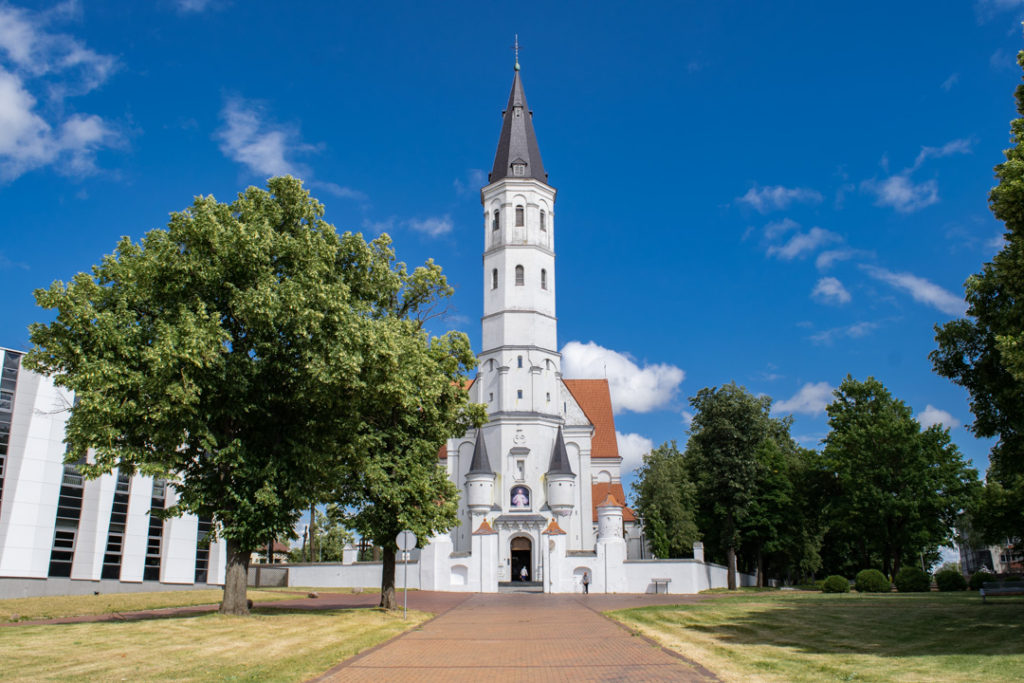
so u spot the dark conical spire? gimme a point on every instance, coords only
(559, 457)
(480, 464)
(518, 154)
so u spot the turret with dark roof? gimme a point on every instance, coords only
(559, 457)
(480, 464)
(518, 155)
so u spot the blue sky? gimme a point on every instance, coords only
(773, 193)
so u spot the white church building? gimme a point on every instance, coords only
(542, 501)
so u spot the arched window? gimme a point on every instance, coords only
(543, 279)
(520, 217)
(494, 279)
(520, 276)
(490, 365)
(496, 222)
(519, 360)
(543, 220)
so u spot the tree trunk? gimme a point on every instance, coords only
(387, 580)
(886, 567)
(730, 556)
(235, 579)
(312, 533)
(760, 568)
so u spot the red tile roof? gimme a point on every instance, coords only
(596, 401)
(599, 494)
(553, 528)
(484, 529)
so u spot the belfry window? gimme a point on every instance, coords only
(520, 276)
(520, 217)
(543, 279)
(543, 220)
(496, 221)
(520, 361)
(494, 279)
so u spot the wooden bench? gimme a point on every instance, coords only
(990, 588)
(660, 582)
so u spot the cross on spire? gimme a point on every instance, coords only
(515, 49)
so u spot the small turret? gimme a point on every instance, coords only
(480, 478)
(561, 479)
(609, 520)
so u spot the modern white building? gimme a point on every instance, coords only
(62, 534)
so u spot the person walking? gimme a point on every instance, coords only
(586, 583)
(524, 575)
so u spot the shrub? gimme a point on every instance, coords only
(835, 584)
(872, 581)
(950, 580)
(912, 580)
(978, 578)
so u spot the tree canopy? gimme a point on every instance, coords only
(666, 501)
(896, 490)
(236, 352)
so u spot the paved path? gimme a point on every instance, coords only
(522, 637)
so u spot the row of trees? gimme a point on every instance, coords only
(265, 364)
(883, 491)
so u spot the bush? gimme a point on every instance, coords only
(835, 584)
(913, 580)
(872, 581)
(978, 578)
(950, 580)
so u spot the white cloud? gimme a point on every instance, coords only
(248, 138)
(997, 242)
(921, 290)
(803, 242)
(377, 227)
(475, 179)
(193, 6)
(960, 146)
(948, 84)
(687, 418)
(811, 399)
(779, 228)
(825, 259)
(854, 331)
(32, 58)
(933, 416)
(830, 290)
(902, 193)
(338, 190)
(633, 388)
(765, 199)
(632, 449)
(432, 227)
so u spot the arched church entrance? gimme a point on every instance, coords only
(521, 550)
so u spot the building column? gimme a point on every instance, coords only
(136, 528)
(93, 526)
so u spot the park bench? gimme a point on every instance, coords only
(990, 588)
(660, 582)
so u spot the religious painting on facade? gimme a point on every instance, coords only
(520, 498)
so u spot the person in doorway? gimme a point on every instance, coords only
(523, 574)
(586, 583)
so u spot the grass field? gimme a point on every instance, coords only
(24, 609)
(784, 636)
(270, 645)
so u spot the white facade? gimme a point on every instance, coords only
(60, 533)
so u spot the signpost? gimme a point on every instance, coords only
(406, 541)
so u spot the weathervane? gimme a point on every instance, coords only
(515, 49)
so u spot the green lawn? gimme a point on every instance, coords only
(270, 645)
(783, 636)
(52, 607)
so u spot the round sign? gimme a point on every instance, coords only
(406, 540)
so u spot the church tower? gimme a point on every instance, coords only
(520, 343)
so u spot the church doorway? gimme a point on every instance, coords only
(520, 550)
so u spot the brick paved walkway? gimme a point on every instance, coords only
(522, 637)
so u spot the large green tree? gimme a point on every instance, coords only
(729, 426)
(897, 490)
(666, 501)
(984, 351)
(231, 353)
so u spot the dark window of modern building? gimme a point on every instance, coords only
(520, 217)
(154, 540)
(115, 535)
(69, 513)
(203, 549)
(8, 385)
(520, 276)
